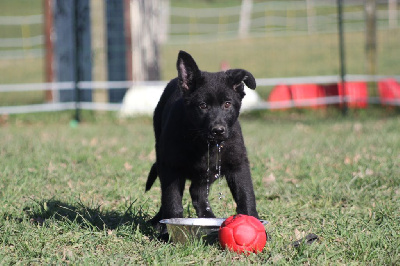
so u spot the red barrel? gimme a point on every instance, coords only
(356, 94)
(389, 91)
(280, 97)
(308, 95)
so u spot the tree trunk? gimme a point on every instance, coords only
(146, 37)
(245, 16)
(370, 46)
(392, 14)
(310, 16)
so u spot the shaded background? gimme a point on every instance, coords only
(138, 40)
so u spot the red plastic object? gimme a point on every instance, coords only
(389, 90)
(332, 91)
(306, 95)
(356, 94)
(242, 233)
(280, 97)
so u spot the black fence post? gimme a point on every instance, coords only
(83, 53)
(116, 50)
(77, 76)
(72, 49)
(342, 57)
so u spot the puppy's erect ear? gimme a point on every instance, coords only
(237, 76)
(188, 71)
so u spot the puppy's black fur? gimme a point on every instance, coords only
(198, 110)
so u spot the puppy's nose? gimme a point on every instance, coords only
(218, 130)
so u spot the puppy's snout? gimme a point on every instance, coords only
(218, 130)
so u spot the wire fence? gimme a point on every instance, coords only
(24, 45)
(259, 104)
(272, 18)
(273, 22)
(187, 25)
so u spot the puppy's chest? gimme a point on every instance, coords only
(211, 163)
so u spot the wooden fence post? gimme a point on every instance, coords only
(49, 53)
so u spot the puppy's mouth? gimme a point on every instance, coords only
(219, 139)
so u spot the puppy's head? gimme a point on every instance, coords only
(212, 100)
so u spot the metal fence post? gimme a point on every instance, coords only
(72, 49)
(342, 56)
(116, 50)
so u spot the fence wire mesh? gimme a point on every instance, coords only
(285, 42)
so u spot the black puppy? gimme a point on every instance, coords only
(198, 137)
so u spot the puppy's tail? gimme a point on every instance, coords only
(152, 176)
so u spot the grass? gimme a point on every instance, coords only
(76, 195)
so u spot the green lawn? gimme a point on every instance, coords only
(76, 195)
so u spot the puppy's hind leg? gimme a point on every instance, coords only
(155, 220)
(160, 228)
(172, 186)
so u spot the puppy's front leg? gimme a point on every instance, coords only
(199, 194)
(241, 186)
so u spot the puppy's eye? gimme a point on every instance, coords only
(227, 104)
(203, 106)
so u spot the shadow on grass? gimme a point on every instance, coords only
(90, 217)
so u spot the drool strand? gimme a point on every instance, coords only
(218, 168)
(208, 175)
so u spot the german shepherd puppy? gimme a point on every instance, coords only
(195, 121)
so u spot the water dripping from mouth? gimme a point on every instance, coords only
(218, 168)
(208, 175)
(218, 176)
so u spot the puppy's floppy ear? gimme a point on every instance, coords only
(188, 71)
(237, 76)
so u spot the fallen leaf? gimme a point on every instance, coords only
(128, 166)
(93, 142)
(356, 158)
(299, 234)
(51, 167)
(369, 172)
(269, 179)
(291, 180)
(152, 155)
(357, 127)
(123, 150)
(4, 119)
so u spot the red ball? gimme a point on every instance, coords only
(242, 233)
